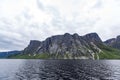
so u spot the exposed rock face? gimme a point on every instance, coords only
(67, 46)
(32, 47)
(114, 42)
(93, 37)
(110, 41)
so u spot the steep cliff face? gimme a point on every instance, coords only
(32, 47)
(114, 42)
(66, 46)
(93, 37)
(110, 41)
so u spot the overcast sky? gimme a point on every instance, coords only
(25, 20)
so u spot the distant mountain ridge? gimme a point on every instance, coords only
(9, 53)
(114, 42)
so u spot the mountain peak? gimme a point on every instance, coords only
(34, 41)
(93, 37)
(34, 44)
(92, 34)
(75, 35)
(118, 38)
(67, 34)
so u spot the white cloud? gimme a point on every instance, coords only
(25, 20)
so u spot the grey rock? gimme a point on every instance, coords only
(66, 46)
(114, 42)
(32, 47)
(93, 37)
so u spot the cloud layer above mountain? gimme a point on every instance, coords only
(25, 20)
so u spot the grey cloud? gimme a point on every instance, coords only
(62, 25)
(98, 4)
(40, 5)
(4, 21)
(39, 31)
(27, 15)
(16, 33)
(10, 44)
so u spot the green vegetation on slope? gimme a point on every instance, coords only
(45, 56)
(26, 56)
(108, 52)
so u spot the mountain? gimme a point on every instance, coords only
(9, 53)
(69, 46)
(66, 46)
(114, 42)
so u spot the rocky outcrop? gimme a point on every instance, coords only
(66, 46)
(32, 47)
(110, 41)
(93, 37)
(114, 42)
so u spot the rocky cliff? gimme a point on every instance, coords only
(114, 42)
(66, 46)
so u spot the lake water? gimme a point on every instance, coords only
(15, 69)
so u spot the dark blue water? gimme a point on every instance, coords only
(59, 69)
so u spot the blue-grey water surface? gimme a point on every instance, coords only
(16, 69)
